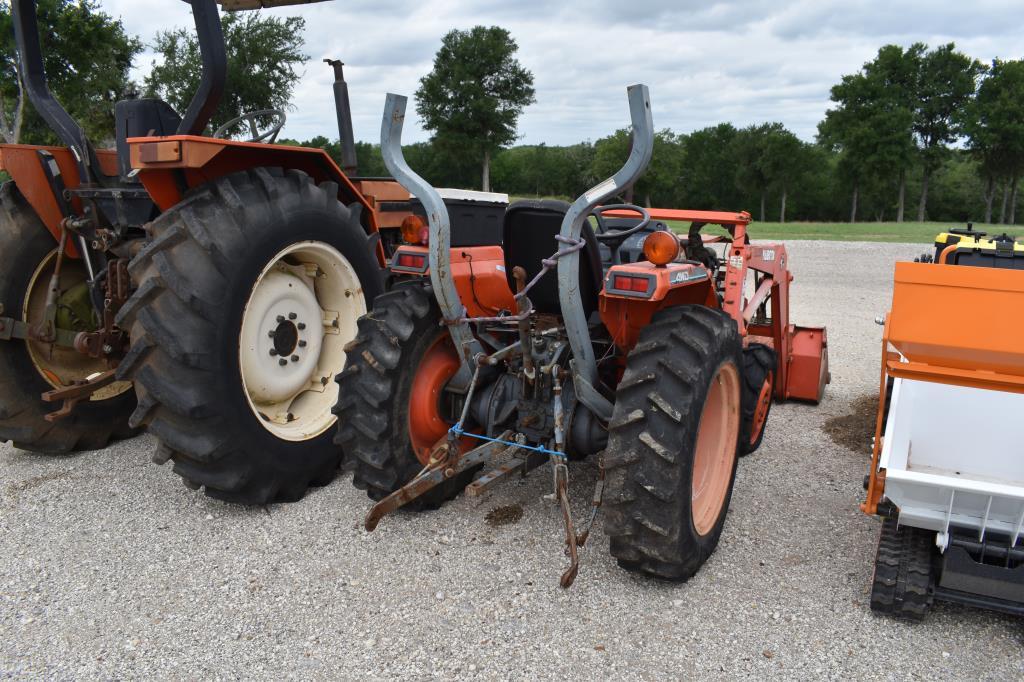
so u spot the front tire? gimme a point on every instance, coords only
(759, 364)
(28, 369)
(249, 290)
(672, 443)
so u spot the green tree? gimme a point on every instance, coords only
(946, 84)
(785, 159)
(87, 56)
(472, 99)
(872, 124)
(708, 174)
(368, 156)
(264, 53)
(750, 151)
(659, 183)
(995, 129)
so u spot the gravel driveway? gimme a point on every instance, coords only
(110, 568)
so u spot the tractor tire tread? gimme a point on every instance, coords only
(656, 411)
(758, 361)
(380, 360)
(183, 273)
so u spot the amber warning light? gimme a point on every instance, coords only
(414, 230)
(661, 248)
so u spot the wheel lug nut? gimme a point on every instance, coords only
(302, 344)
(301, 326)
(280, 319)
(295, 358)
(292, 316)
(272, 333)
(282, 362)
(273, 352)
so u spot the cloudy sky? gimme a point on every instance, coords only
(745, 61)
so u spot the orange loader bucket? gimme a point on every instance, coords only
(808, 364)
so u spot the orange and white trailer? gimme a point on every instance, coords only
(947, 475)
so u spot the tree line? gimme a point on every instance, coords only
(934, 125)
(932, 129)
(698, 170)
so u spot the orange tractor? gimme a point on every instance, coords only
(594, 329)
(201, 287)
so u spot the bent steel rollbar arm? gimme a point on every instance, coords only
(441, 278)
(584, 362)
(33, 77)
(215, 68)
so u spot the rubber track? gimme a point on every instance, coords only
(902, 583)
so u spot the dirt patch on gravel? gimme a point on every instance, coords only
(14, 490)
(504, 516)
(855, 429)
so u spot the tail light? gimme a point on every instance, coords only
(631, 283)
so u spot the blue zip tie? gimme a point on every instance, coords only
(457, 430)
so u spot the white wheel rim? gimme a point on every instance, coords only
(301, 312)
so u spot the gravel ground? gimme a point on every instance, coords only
(110, 568)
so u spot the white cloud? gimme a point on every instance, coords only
(705, 62)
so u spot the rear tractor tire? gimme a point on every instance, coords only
(390, 412)
(672, 442)
(28, 368)
(759, 365)
(249, 290)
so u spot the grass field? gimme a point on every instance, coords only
(858, 232)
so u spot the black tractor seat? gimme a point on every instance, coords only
(529, 232)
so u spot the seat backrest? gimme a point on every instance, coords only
(529, 237)
(141, 118)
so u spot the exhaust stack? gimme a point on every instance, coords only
(344, 109)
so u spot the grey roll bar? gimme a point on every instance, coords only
(447, 296)
(584, 364)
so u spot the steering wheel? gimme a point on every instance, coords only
(619, 235)
(276, 116)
